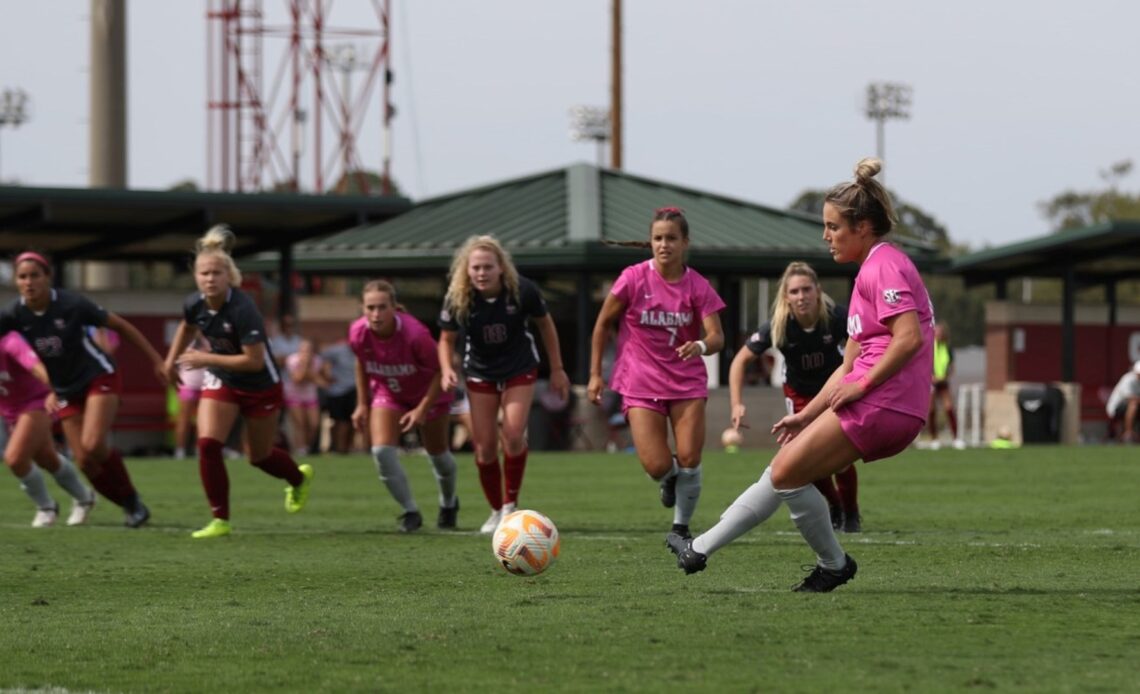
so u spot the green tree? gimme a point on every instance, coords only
(1071, 209)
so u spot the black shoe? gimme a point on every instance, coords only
(682, 530)
(822, 580)
(669, 488)
(410, 522)
(687, 558)
(836, 517)
(853, 523)
(137, 516)
(448, 516)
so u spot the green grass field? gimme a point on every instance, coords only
(979, 570)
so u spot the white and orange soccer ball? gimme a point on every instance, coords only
(526, 543)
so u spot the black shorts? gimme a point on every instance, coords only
(340, 407)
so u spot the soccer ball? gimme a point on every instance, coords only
(731, 440)
(526, 543)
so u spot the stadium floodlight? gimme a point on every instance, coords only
(591, 123)
(886, 101)
(13, 107)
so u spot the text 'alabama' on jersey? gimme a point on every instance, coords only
(659, 317)
(400, 366)
(810, 356)
(59, 337)
(888, 284)
(236, 323)
(498, 344)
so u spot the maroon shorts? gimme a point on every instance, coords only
(475, 385)
(253, 403)
(877, 432)
(107, 384)
(794, 401)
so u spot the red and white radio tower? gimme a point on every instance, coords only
(260, 133)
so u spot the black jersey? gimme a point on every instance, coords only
(59, 336)
(497, 342)
(810, 357)
(236, 323)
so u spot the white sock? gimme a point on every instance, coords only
(754, 506)
(688, 494)
(443, 464)
(810, 514)
(392, 475)
(33, 485)
(68, 478)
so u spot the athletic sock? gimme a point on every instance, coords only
(67, 477)
(109, 481)
(281, 465)
(118, 469)
(754, 506)
(688, 494)
(491, 479)
(513, 468)
(392, 474)
(443, 464)
(215, 479)
(848, 483)
(953, 418)
(34, 486)
(809, 513)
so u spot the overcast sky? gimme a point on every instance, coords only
(1014, 101)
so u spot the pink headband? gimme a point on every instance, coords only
(34, 257)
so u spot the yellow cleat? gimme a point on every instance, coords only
(216, 528)
(296, 497)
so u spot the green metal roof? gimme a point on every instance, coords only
(560, 220)
(1100, 253)
(110, 224)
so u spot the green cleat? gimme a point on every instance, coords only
(219, 527)
(295, 497)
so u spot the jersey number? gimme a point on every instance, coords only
(494, 334)
(393, 385)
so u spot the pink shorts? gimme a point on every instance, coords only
(384, 401)
(186, 394)
(658, 405)
(876, 432)
(12, 411)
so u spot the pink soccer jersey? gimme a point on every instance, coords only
(659, 317)
(19, 389)
(888, 284)
(400, 367)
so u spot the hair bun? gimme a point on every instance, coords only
(218, 238)
(866, 169)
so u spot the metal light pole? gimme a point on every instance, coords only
(13, 108)
(886, 101)
(591, 123)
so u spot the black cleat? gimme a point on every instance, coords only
(448, 517)
(822, 580)
(836, 517)
(683, 531)
(853, 523)
(410, 522)
(137, 516)
(687, 558)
